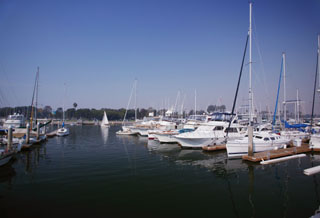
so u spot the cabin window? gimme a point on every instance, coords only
(272, 138)
(266, 139)
(258, 137)
(218, 128)
(231, 130)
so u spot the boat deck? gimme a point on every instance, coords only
(267, 155)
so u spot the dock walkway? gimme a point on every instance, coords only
(267, 155)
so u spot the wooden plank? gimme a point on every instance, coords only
(267, 155)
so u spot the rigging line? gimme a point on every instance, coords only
(236, 94)
(128, 103)
(256, 40)
(279, 85)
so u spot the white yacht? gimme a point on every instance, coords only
(262, 141)
(16, 121)
(213, 132)
(161, 126)
(169, 136)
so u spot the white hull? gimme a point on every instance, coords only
(63, 132)
(315, 141)
(238, 148)
(140, 131)
(195, 142)
(125, 133)
(166, 138)
(292, 135)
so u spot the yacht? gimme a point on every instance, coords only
(213, 132)
(262, 141)
(16, 121)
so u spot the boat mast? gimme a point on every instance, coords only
(284, 87)
(250, 128)
(298, 107)
(195, 103)
(32, 102)
(135, 101)
(37, 90)
(315, 81)
(250, 66)
(65, 91)
(318, 60)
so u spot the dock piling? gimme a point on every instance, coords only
(38, 131)
(28, 134)
(250, 141)
(9, 143)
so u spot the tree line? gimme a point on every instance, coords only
(97, 114)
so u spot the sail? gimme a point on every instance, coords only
(105, 121)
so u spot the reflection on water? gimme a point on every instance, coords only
(104, 134)
(94, 167)
(7, 172)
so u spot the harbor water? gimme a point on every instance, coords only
(95, 173)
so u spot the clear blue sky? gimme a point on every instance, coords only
(98, 48)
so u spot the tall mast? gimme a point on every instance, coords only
(65, 93)
(319, 61)
(37, 91)
(195, 103)
(315, 80)
(135, 100)
(284, 87)
(250, 67)
(298, 107)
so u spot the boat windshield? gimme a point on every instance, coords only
(221, 117)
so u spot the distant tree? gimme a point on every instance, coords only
(211, 108)
(59, 112)
(75, 105)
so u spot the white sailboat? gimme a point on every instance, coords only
(105, 121)
(63, 131)
(255, 142)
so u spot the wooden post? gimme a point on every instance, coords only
(9, 142)
(250, 141)
(38, 131)
(28, 134)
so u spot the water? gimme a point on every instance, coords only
(95, 173)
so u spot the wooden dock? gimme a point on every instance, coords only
(267, 155)
(51, 134)
(214, 148)
(29, 145)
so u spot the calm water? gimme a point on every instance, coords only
(95, 173)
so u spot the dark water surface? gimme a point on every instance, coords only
(95, 173)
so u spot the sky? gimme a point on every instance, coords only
(90, 52)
